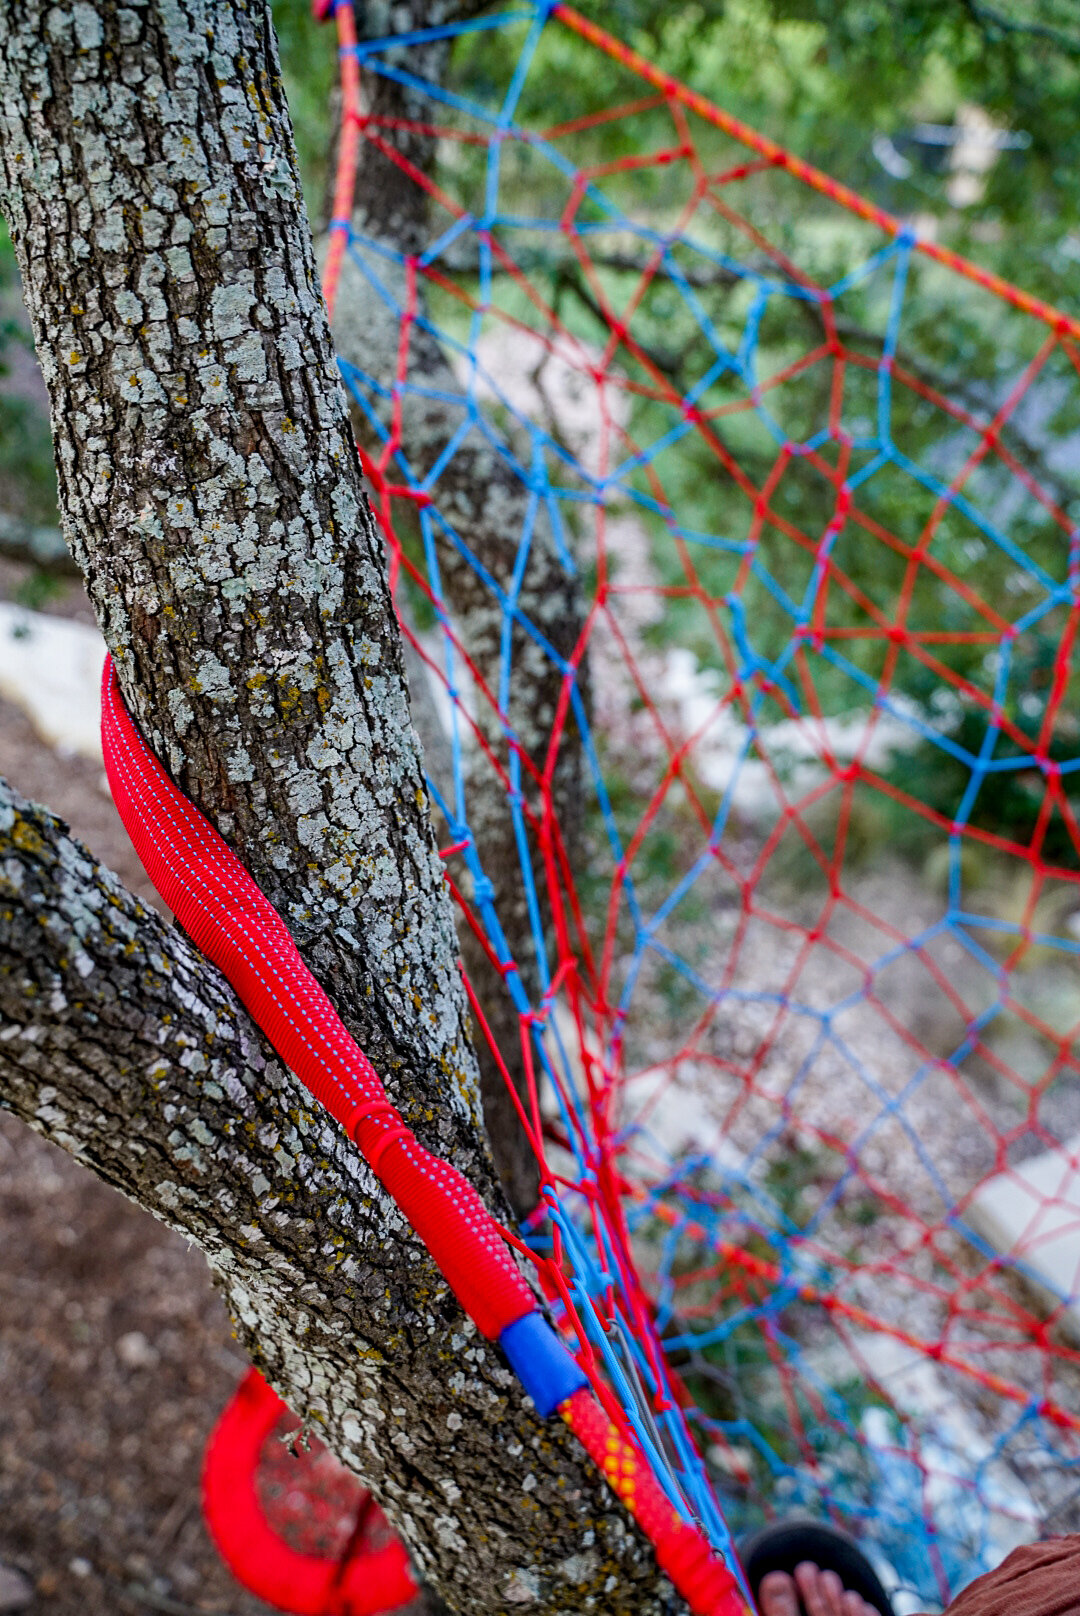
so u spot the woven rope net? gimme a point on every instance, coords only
(788, 931)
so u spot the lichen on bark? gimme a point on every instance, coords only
(489, 507)
(122, 1044)
(210, 489)
(211, 495)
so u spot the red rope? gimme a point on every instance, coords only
(226, 915)
(583, 975)
(363, 1584)
(1063, 324)
(224, 912)
(682, 1553)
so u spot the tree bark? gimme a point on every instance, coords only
(487, 503)
(121, 1044)
(211, 494)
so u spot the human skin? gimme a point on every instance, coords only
(822, 1594)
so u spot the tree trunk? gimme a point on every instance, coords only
(487, 503)
(211, 494)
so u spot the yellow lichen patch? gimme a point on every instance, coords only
(290, 699)
(25, 837)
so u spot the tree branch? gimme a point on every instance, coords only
(211, 494)
(991, 21)
(123, 1045)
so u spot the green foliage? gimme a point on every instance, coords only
(826, 77)
(792, 1177)
(1020, 60)
(39, 589)
(27, 474)
(309, 68)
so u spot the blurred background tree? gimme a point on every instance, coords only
(831, 79)
(956, 115)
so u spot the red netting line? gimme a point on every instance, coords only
(799, 1026)
(225, 913)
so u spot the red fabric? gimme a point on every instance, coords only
(223, 911)
(303, 1584)
(1040, 1579)
(682, 1551)
(226, 915)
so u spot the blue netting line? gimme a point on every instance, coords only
(829, 754)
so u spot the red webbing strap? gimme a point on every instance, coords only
(226, 915)
(366, 1584)
(231, 921)
(682, 1551)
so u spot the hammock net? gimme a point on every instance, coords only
(729, 524)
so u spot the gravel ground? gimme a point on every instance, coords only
(115, 1358)
(115, 1351)
(826, 1088)
(116, 1354)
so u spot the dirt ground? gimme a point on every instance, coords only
(115, 1352)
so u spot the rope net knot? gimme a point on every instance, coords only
(729, 527)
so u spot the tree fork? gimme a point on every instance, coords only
(211, 495)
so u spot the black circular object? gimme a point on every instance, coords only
(786, 1544)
